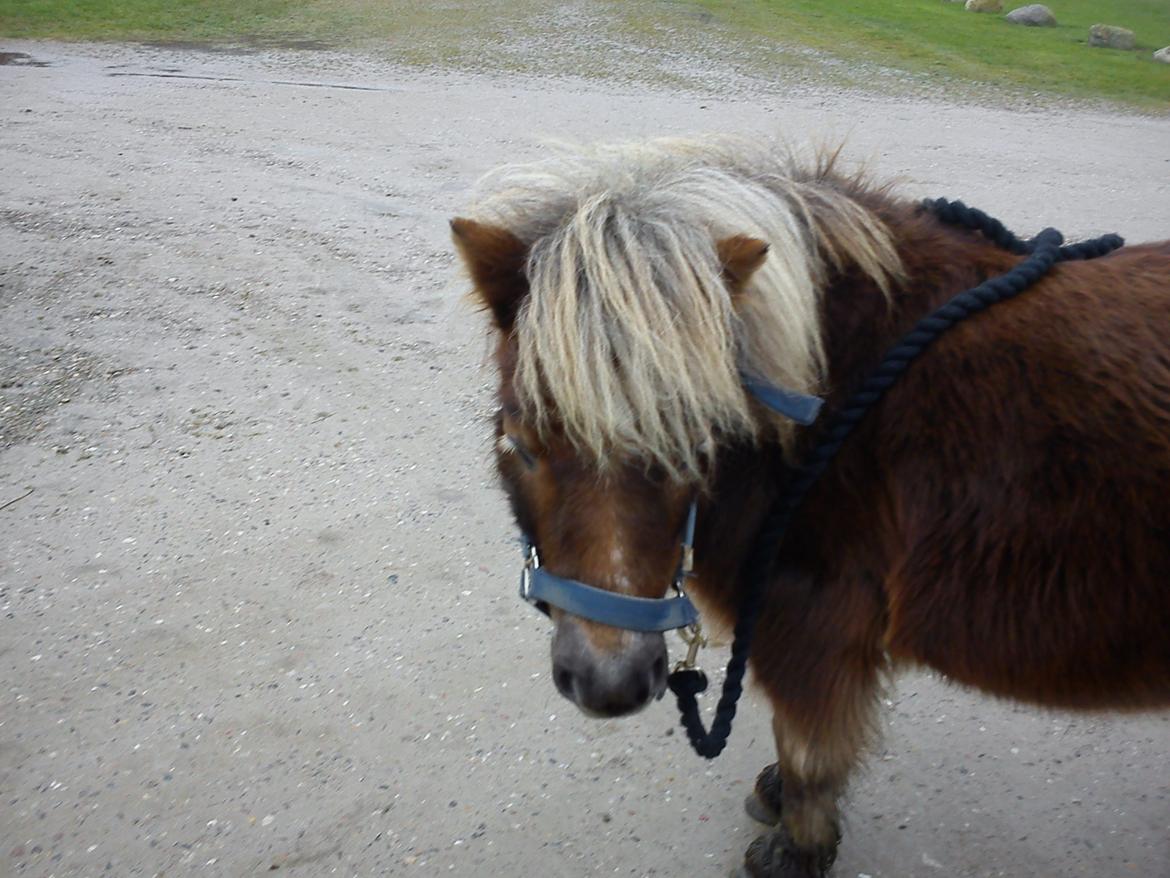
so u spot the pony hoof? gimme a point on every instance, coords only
(763, 804)
(774, 855)
(758, 810)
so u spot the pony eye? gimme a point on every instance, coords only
(656, 473)
(510, 444)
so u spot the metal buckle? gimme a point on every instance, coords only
(686, 564)
(693, 637)
(531, 562)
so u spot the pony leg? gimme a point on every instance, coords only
(815, 756)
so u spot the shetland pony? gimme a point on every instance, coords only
(1003, 516)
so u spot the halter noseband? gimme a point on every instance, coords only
(543, 589)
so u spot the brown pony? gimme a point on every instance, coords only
(1003, 516)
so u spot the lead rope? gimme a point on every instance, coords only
(1043, 252)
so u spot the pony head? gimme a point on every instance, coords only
(630, 289)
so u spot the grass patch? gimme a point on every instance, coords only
(941, 39)
(935, 40)
(140, 19)
(344, 22)
(454, 32)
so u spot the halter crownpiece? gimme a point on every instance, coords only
(799, 407)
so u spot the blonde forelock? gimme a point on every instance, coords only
(629, 342)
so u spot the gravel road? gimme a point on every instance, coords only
(258, 609)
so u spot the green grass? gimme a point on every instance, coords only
(342, 22)
(941, 39)
(934, 40)
(416, 31)
(139, 19)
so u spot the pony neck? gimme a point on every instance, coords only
(859, 323)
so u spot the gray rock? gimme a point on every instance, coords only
(1163, 55)
(984, 6)
(1033, 15)
(1106, 36)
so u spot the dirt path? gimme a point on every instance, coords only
(258, 611)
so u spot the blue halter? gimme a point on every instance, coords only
(543, 589)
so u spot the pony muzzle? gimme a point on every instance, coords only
(616, 679)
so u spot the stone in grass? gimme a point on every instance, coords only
(1163, 55)
(984, 6)
(1106, 36)
(1033, 15)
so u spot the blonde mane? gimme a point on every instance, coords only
(629, 339)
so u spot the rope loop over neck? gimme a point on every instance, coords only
(1042, 252)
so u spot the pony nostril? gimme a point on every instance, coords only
(658, 672)
(658, 675)
(642, 694)
(563, 680)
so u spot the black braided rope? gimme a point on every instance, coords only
(1042, 253)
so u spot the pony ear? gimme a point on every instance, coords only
(740, 257)
(495, 260)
